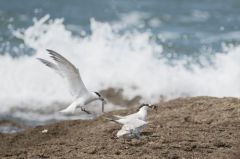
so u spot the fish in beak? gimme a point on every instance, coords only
(154, 107)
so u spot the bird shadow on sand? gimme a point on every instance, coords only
(146, 133)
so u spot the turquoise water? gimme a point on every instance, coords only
(195, 24)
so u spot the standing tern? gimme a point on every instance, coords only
(71, 74)
(133, 122)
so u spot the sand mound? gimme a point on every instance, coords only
(199, 127)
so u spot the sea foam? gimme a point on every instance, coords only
(110, 56)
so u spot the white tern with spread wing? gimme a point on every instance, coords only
(76, 86)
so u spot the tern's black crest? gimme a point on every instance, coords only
(98, 94)
(142, 105)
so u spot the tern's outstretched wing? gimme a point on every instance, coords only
(131, 128)
(68, 71)
(125, 132)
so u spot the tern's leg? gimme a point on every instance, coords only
(83, 109)
(137, 135)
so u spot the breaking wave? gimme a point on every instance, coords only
(111, 56)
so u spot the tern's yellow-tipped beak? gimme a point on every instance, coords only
(154, 107)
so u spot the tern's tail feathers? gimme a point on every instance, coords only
(111, 119)
(70, 109)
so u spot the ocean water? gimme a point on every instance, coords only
(151, 48)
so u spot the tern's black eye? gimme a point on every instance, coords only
(97, 94)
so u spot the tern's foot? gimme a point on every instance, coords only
(84, 110)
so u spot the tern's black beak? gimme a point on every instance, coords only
(103, 102)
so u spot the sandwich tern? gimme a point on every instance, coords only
(77, 88)
(133, 122)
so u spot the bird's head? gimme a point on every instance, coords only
(98, 96)
(147, 106)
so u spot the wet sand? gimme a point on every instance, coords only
(198, 127)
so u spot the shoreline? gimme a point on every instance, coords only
(191, 127)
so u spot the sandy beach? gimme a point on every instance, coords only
(196, 127)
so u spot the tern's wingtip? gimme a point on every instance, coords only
(40, 59)
(49, 50)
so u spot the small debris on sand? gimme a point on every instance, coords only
(44, 131)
